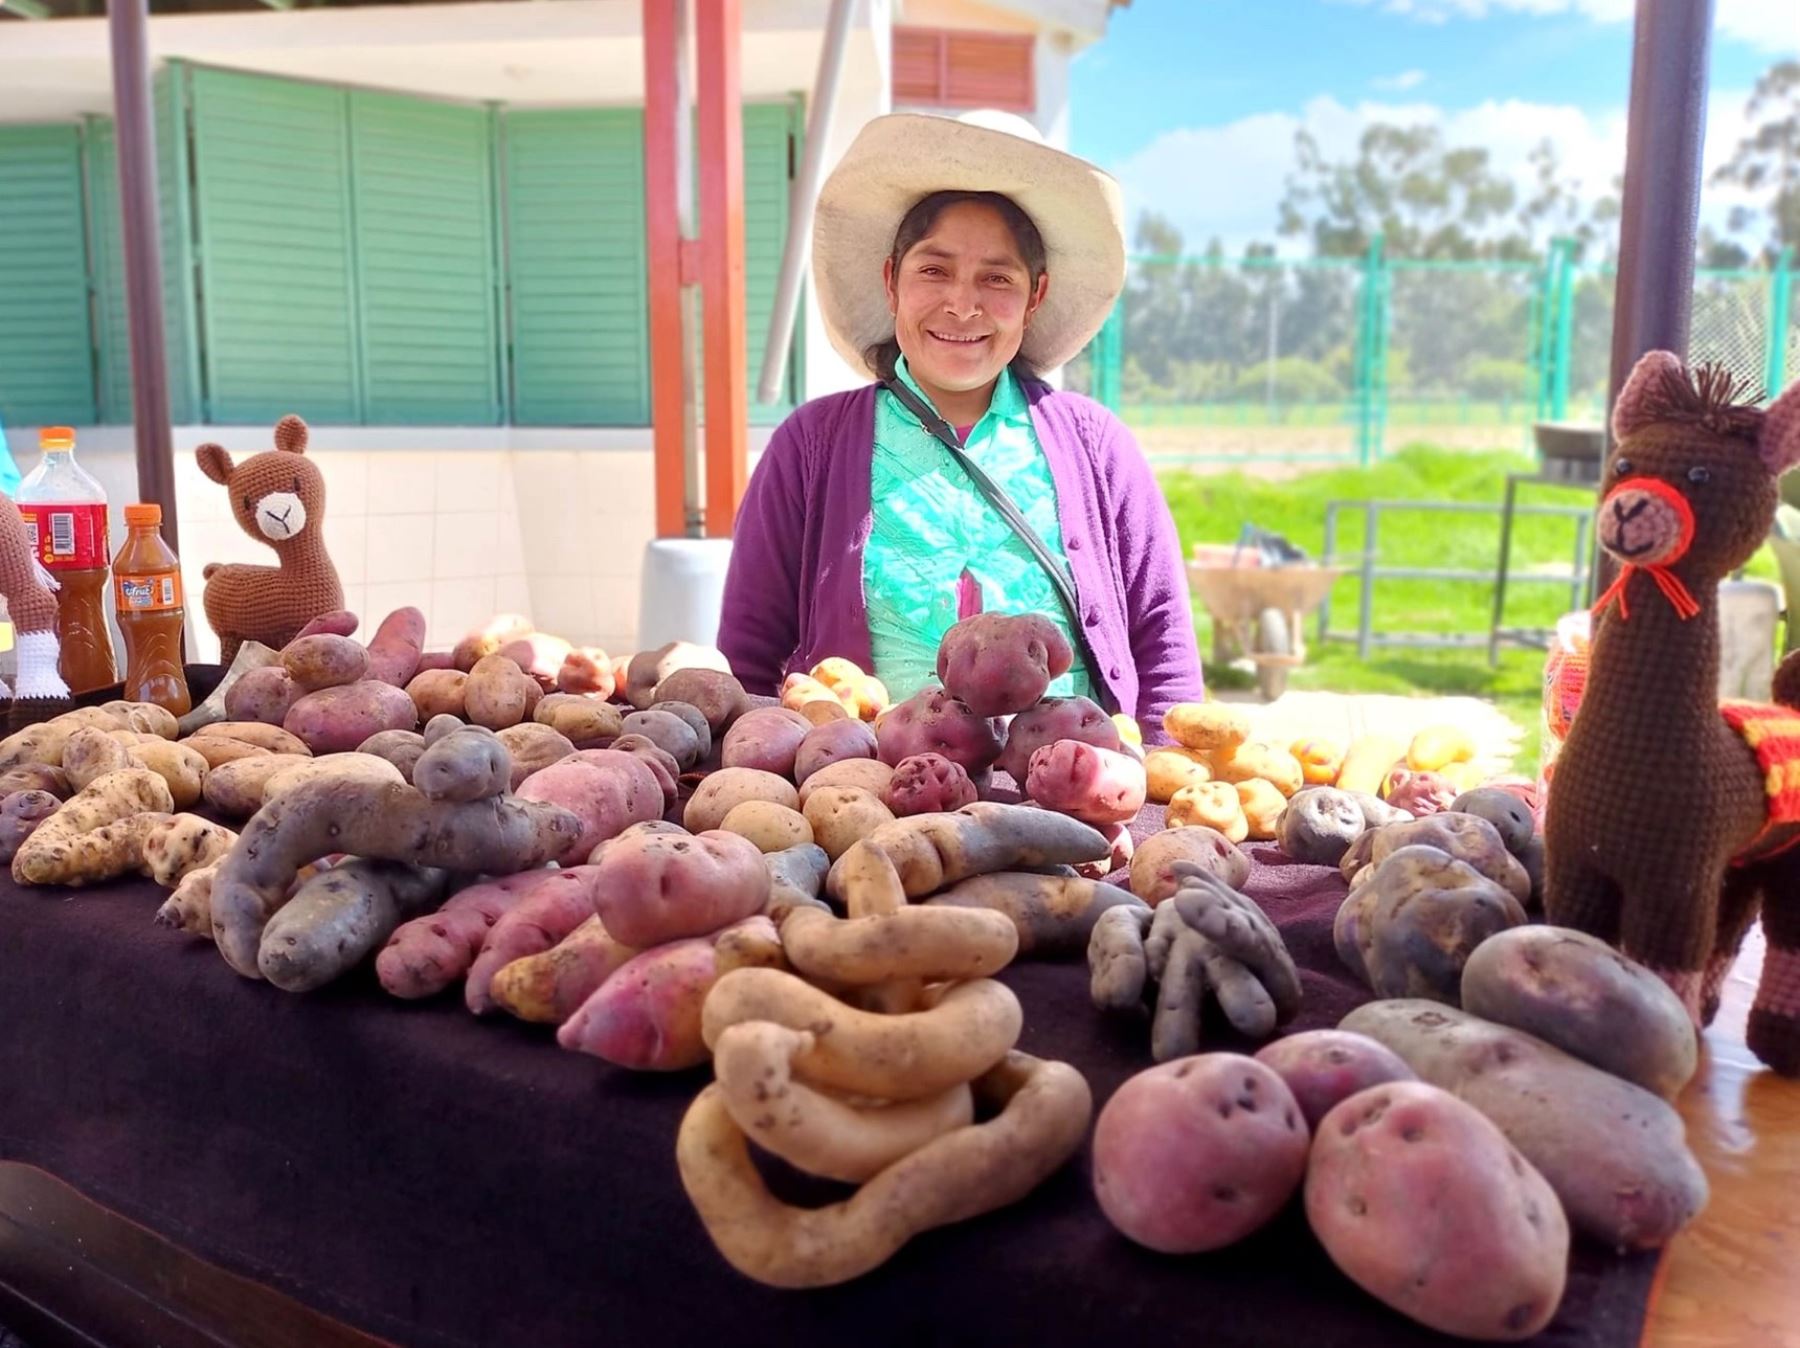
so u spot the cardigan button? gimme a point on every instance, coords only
(1074, 545)
(1093, 617)
(1115, 671)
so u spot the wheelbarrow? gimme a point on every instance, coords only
(1257, 611)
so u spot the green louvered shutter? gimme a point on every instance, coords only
(425, 261)
(770, 151)
(273, 219)
(46, 340)
(575, 261)
(112, 336)
(106, 247)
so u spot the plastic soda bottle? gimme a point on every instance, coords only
(147, 595)
(64, 510)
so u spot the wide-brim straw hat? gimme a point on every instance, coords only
(898, 159)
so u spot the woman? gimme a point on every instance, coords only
(953, 260)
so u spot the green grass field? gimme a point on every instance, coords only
(1212, 508)
(1516, 414)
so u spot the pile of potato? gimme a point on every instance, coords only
(869, 1057)
(1415, 1194)
(1217, 776)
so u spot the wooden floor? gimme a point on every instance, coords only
(1733, 1279)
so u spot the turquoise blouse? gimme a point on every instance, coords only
(938, 551)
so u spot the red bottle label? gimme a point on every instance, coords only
(66, 537)
(147, 594)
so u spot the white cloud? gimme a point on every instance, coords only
(1226, 181)
(1771, 24)
(1406, 79)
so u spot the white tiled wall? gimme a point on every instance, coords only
(552, 524)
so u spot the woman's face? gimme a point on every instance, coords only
(961, 297)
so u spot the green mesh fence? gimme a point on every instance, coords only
(1215, 360)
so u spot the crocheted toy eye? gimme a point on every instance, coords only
(1621, 467)
(1699, 476)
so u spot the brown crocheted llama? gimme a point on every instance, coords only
(30, 604)
(1670, 819)
(278, 498)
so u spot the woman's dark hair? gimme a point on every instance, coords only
(922, 219)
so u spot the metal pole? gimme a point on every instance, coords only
(1781, 280)
(127, 22)
(718, 34)
(1660, 209)
(803, 197)
(693, 319)
(674, 268)
(1274, 342)
(1565, 329)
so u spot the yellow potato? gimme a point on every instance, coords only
(1320, 760)
(772, 827)
(1207, 725)
(1263, 803)
(1214, 804)
(1170, 769)
(843, 815)
(1250, 761)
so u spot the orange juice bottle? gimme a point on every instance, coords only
(147, 593)
(64, 510)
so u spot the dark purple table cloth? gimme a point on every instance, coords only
(439, 1180)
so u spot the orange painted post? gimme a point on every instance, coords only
(663, 111)
(718, 29)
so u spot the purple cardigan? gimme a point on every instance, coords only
(794, 591)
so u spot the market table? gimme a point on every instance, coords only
(435, 1179)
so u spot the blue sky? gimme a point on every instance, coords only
(1194, 103)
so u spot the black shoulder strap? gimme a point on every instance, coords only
(996, 496)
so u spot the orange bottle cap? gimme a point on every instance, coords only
(144, 512)
(56, 437)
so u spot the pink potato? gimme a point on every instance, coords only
(1123, 848)
(540, 655)
(662, 765)
(1055, 718)
(1425, 1205)
(607, 790)
(831, 743)
(1323, 1067)
(660, 887)
(324, 660)
(337, 720)
(339, 622)
(434, 660)
(999, 663)
(767, 739)
(934, 722)
(394, 650)
(263, 695)
(1197, 1153)
(559, 902)
(1153, 877)
(716, 694)
(1096, 786)
(586, 671)
(646, 1016)
(1420, 793)
(928, 784)
(429, 953)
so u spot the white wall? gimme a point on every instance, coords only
(570, 52)
(463, 523)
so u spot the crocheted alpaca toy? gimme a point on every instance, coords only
(278, 498)
(1671, 819)
(27, 587)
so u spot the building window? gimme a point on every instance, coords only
(963, 68)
